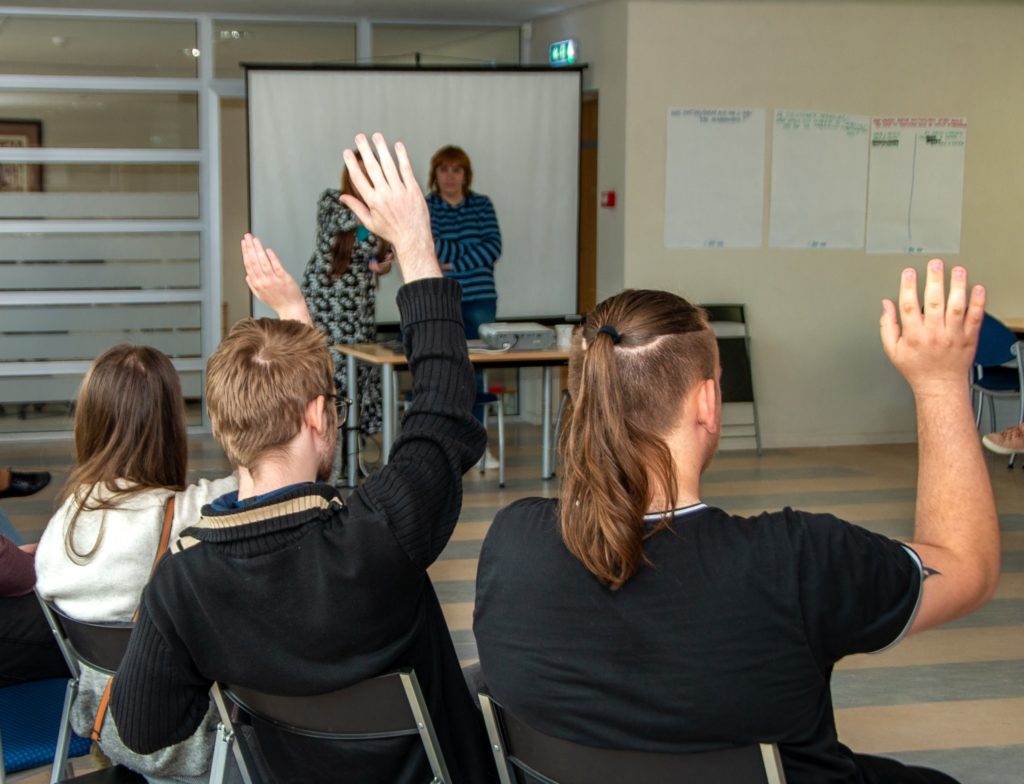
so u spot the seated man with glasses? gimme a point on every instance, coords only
(287, 588)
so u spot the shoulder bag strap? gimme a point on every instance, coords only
(161, 550)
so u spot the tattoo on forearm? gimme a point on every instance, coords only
(927, 571)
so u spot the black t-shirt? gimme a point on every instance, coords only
(726, 636)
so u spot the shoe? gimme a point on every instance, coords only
(488, 462)
(1009, 442)
(25, 483)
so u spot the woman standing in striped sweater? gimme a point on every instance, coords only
(466, 234)
(468, 243)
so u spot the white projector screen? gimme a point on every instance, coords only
(520, 128)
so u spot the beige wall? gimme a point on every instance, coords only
(601, 32)
(234, 183)
(820, 375)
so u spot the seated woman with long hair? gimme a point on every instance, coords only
(98, 550)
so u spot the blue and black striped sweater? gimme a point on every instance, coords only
(467, 237)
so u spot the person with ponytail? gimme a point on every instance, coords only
(97, 552)
(629, 614)
(340, 286)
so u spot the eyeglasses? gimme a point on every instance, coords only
(341, 404)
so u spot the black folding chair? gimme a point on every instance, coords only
(100, 646)
(523, 754)
(387, 706)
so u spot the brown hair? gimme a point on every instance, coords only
(129, 425)
(453, 156)
(344, 241)
(259, 382)
(626, 394)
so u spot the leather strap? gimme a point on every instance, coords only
(161, 551)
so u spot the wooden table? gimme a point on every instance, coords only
(1015, 323)
(390, 361)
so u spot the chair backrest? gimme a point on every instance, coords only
(387, 706)
(995, 343)
(519, 749)
(100, 645)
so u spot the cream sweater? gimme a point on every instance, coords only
(108, 586)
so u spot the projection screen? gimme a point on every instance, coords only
(520, 128)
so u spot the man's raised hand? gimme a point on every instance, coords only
(270, 282)
(391, 205)
(933, 349)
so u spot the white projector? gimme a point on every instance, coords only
(517, 336)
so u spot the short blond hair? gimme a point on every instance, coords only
(259, 382)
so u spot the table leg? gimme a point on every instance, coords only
(545, 462)
(352, 425)
(387, 435)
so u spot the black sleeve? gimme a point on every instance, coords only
(420, 490)
(158, 697)
(858, 590)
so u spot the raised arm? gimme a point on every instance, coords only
(270, 282)
(419, 492)
(956, 530)
(392, 206)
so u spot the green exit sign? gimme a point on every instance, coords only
(563, 52)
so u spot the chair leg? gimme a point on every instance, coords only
(501, 442)
(60, 755)
(483, 460)
(221, 746)
(980, 398)
(992, 415)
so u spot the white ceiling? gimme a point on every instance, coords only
(496, 11)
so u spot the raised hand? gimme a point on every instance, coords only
(391, 205)
(933, 349)
(270, 282)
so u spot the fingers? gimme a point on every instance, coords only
(889, 327)
(934, 294)
(975, 312)
(360, 209)
(405, 166)
(910, 308)
(387, 164)
(373, 170)
(355, 173)
(956, 304)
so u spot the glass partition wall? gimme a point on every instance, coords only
(113, 162)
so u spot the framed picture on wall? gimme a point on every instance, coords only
(21, 176)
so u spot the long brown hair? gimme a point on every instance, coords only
(632, 363)
(130, 426)
(344, 241)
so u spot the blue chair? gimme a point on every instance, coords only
(30, 720)
(992, 376)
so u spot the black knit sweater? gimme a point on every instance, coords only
(305, 594)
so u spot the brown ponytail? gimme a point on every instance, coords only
(632, 363)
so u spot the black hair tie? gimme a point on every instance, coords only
(610, 332)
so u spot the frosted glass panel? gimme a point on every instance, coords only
(43, 403)
(97, 47)
(55, 262)
(106, 119)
